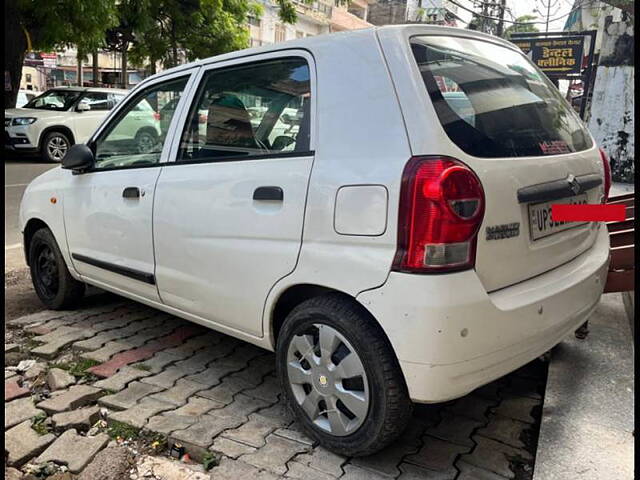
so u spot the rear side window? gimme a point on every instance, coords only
(253, 109)
(493, 102)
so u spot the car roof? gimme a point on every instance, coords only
(91, 89)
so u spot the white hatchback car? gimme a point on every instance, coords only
(53, 121)
(395, 247)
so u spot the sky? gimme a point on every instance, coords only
(527, 7)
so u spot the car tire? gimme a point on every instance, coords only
(53, 283)
(355, 408)
(146, 141)
(55, 146)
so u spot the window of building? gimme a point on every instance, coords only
(254, 21)
(249, 110)
(299, 34)
(281, 33)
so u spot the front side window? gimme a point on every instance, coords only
(97, 101)
(493, 102)
(136, 136)
(60, 100)
(255, 109)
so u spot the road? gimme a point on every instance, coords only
(18, 172)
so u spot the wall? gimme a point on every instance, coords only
(611, 117)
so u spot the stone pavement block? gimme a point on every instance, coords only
(473, 406)
(121, 379)
(212, 374)
(253, 432)
(275, 454)
(279, 413)
(243, 406)
(9, 374)
(128, 397)
(455, 429)
(168, 377)
(18, 411)
(167, 469)
(225, 391)
(76, 396)
(158, 361)
(23, 443)
(13, 474)
(491, 391)
(112, 463)
(413, 472)
(386, 461)
(303, 472)
(494, 456)
(12, 390)
(80, 419)
(230, 448)
(437, 455)
(50, 349)
(258, 368)
(230, 469)
(105, 353)
(323, 460)
(179, 393)
(11, 347)
(518, 408)
(269, 390)
(471, 472)
(59, 379)
(196, 343)
(351, 472)
(38, 317)
(169, 422)
(57, 333)
(35, 370)
(74, 450)
(295, 433)
(505, 430)
(201, 433)
(197, 406)
(141, 412)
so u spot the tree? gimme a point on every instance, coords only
(522, 24)
(46, 25)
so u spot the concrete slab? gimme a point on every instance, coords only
(587, 419)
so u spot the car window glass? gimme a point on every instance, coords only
(136, 136)
(249, 110)
(97, 101)
(54, 100)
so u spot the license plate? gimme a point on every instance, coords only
(540, 222)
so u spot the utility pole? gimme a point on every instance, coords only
(548, 6)
(500, 27)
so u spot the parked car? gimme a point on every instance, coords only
(24, 97)
(391, 249)
(50, 123)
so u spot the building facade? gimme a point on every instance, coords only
(392, 12)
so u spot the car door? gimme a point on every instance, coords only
(108, 209)
(229, 212)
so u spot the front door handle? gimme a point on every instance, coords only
(131, 192)
(268, 193)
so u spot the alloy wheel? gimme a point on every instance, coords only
(57, 147)
(328, 380)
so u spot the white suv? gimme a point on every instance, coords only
(50, 123)
(395, 247)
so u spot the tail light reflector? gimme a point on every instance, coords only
(156, 116)
(441, 208)
(607, 175)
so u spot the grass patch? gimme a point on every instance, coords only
(123, 430)
(210, 460)
(79, 367)
(39, 425)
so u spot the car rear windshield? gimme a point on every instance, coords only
(493, 102)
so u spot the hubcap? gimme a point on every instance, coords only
(57, 148)
(328, 380)
(47, 271)
(146, 143)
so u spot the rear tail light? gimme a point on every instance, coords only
(441, 208)
(607, 175)
(156, 115)
(202, 118)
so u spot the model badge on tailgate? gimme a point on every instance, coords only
(506, 230)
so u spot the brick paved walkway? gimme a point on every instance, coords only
(212, 393)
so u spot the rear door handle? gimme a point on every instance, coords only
(131, 192)
(268, 193)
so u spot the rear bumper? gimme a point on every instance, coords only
(452, 337)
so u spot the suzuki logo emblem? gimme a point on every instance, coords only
(574, 184)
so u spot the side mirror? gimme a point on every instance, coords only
(78, 158)
(83, 107)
